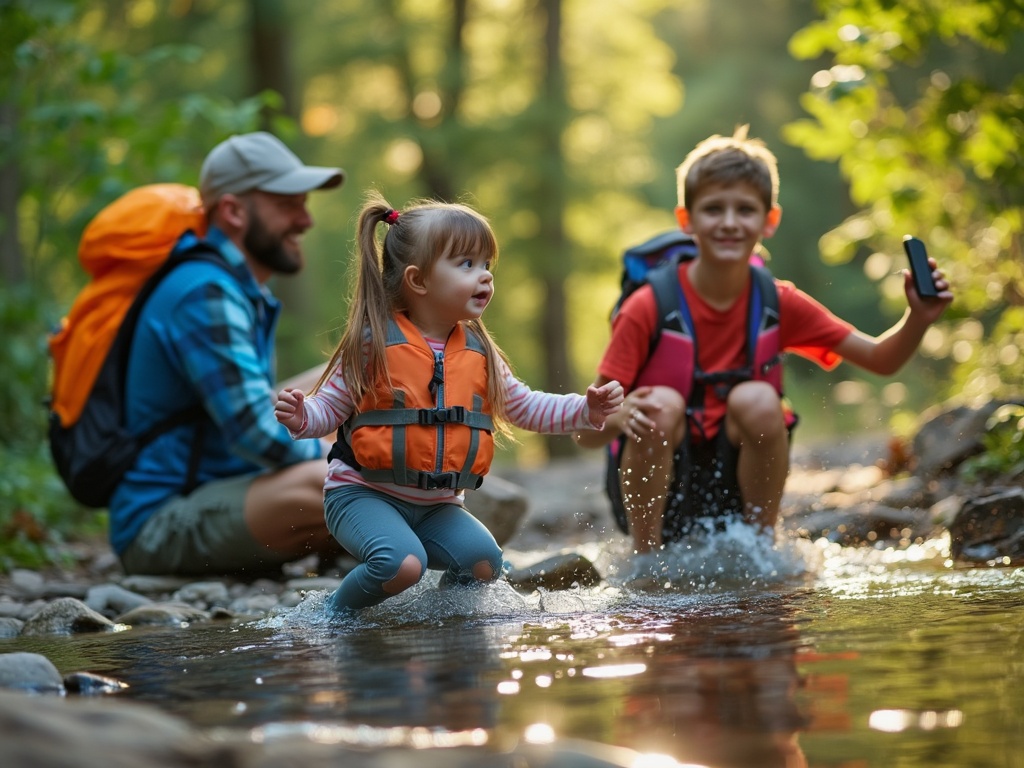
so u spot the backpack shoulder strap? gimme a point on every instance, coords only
(763, 311)
(765, 283)
(669, 300)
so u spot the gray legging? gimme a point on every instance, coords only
(381, 531)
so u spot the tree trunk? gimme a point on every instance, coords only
(559, 374)
(12, 260)
(271, 69)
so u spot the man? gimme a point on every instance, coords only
(232, 493)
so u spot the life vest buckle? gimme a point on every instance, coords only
(431, 481)
(454, 415)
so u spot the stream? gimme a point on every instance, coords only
(733, 653)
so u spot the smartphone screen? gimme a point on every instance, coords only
(919, 267)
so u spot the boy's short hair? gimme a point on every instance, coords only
(727, 160)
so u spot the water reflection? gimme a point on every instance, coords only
(709, 685)
(864, 657)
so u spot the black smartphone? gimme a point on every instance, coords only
(919, 267)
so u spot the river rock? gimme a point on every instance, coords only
(112, 599)
(859, 524)
(990, 528)
(952, 435)
(164, 615)
(557, 572)
(96, 733)
(29, 672)
(66, 616)
(58, 732)
(204, 594)
(500, 505)
(91, 684)
(10, 626)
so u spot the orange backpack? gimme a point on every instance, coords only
(128, 249)
(121, 247)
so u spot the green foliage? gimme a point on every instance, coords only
(1004, 446)
(36, 513)
(89, 126)
(572, 160)
(86, 127)
(923, 107)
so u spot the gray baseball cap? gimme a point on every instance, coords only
(260, 161)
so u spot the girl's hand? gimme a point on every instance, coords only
(289, 410)
(603, 402)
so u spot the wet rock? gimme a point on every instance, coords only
(902, 492)
(163, 615)
(554, 573)
(90, 684)
(27, 584)
(951, 436)
(112, 599)
(860, 524)
(10, 626)
(254, 605)
(153, 585)
(204, 594)
(500, 505)
(58, 732)
(97, 733)
(858, 478)
(29, 672)
(567, 504)
(66, 616)
(990, 528)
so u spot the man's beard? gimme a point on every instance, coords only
(269, 250)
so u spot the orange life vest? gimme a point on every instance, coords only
(432, 427)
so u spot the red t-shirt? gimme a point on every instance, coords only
(806, 328)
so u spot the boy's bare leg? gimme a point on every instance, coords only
(755, 423)
(647, 467)
(285, 510)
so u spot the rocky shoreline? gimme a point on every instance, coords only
(868, 491)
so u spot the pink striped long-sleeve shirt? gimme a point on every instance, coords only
(531, 410)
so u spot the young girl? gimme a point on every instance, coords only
(419, 388)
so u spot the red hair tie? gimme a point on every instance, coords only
(391, 216)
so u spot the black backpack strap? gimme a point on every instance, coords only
(194, 250)
(768, 292)
(664, 282)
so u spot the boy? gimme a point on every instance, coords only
(719, 445)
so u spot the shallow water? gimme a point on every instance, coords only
(735, 653)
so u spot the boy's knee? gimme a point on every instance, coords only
(409, 573)
(670, 415)
(756, 404)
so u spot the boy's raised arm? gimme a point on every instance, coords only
(887, 353)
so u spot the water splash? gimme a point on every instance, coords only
(428, 604)
(714, 558)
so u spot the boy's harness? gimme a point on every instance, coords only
(673, 359)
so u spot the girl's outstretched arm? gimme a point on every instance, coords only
(289, 410)
(603, 401)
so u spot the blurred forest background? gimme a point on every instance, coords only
(563, 122)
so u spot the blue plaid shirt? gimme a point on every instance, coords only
(206, 336)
